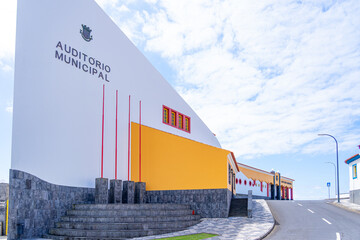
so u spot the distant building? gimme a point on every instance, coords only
(263, 184)
(353, 177)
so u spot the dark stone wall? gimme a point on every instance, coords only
(2, 217)
(208, 203)
(35, 205)
(4, 196)
(355, 196)
(229, 197)
(4, 192)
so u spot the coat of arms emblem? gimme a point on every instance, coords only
(85, 33)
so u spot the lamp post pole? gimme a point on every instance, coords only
(337, 162)
(335, 174)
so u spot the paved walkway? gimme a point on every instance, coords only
(346, 204)
(232, 228)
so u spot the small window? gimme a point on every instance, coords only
(173, 118)
(354, 171)
(180, 121)
(165, 115)
(187, 124)
(176, 119)
(229, 173)
(233, 181)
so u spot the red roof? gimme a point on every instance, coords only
(232, 154)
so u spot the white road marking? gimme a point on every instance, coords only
(299, 204)
(338, 236)
(326, 221)
(310, 211)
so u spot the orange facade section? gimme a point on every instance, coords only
(256, 175)
(286, 182)
(170, 162)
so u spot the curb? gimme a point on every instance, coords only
(268, 232)
(270, 229)
(344, 207)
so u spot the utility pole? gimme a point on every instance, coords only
(337, 162)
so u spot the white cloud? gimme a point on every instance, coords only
(7, 23)
(265, 77)
(9, 109)
(3, 181)
(107, 3)
(7, 65)
(123, 8)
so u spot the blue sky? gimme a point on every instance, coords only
(265, 76)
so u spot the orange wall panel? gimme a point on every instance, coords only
(170, 162)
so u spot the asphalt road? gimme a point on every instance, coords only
(307, 220)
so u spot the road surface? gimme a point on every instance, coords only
(307, 220)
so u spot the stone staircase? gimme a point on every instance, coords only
(238, 207)
(122, 221)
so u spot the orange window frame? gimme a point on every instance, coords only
(166, 115)
(180, 121)
(175, 119)
(187, 124)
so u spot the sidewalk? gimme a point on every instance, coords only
(232, 228)
(346, 204)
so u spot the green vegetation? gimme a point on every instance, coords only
(197, 236)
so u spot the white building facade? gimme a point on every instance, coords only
(354, 182)
(244, 184)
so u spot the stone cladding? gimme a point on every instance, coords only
(35, 205)
(208, 203)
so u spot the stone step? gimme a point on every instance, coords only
(124, 213)
(131, 207)
(238, 207)
(126, 226)
(54, 237)
(109, 233)
(130, 219)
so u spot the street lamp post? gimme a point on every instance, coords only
(335, 174)
(337, 162)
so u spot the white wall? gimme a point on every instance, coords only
(354, 183)
(57, 119)
(241, 188)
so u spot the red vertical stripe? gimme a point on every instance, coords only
(129, 143)
(102, 137)
(287, 193)
(116, 130)
(140, 141)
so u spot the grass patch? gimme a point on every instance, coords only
(197, 236)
